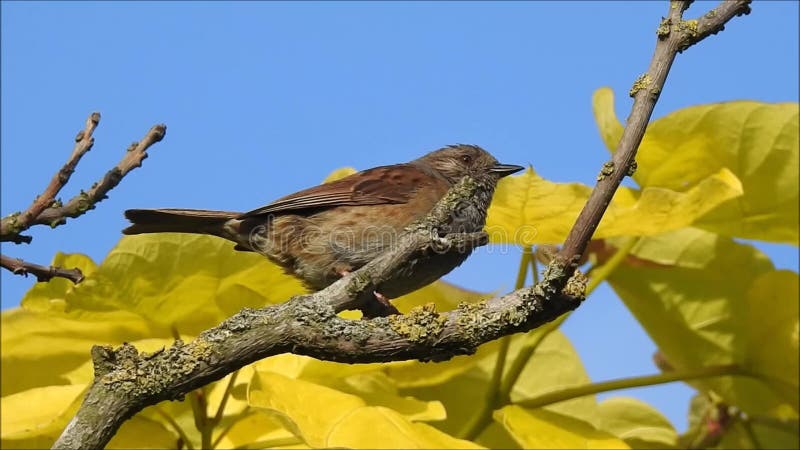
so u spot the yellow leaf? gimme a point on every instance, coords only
(546, 429)
(757, 141)
(141, 432)
(43, 410)
(235, 403)
(379, 427)
(555, 365)
(719, 302)
(338, 174)
(191, 282)
(41, 349)
(377, 389)
(528, 209)
(326, 417)
(771, 344)
(311, 369)
(414, 374)
(635, 422)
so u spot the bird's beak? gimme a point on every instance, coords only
(505, 169)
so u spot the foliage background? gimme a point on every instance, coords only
(264, 98)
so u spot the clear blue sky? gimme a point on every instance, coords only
(264, 98)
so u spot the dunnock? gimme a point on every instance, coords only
(320, 234)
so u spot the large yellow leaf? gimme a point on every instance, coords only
(528, 209)
(636, 423)
(140, 432)
(554, 366)
(545, 429)
(719, 302)
(40, 349)
(192, 282)
(366, 381)
(757, 141)
(38, 415)
(325, 417)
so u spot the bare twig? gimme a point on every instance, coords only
(42, 273)
(674, 36)
(127, 381)
(21, 221)
(85, 201)
(45, 210)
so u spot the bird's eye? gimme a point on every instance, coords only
(466, 159)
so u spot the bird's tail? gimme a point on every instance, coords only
(197, 221)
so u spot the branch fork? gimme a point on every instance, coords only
(47, 210)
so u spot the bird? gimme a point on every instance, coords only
(324, 232)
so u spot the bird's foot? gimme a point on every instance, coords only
(377, 306)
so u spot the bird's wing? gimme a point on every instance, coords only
(380, 185)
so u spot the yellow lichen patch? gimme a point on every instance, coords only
(608, 169)
(643, 82)
(663, 28)
(420, 324)
(576, 286)
(470, 313)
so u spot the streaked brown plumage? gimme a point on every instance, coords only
(320, 233)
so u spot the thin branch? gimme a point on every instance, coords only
(46, 210)
(85, 201)
(127, 381)
(42, 273)
(175, 426)
(674, 36)
(21, 221)
(632, 382)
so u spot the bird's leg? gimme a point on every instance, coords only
(379, 306)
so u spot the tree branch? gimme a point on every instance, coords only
(674, 36)
(46, 210)
(85, 201)
(16, 223)
(42, 273)
(126, 381)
